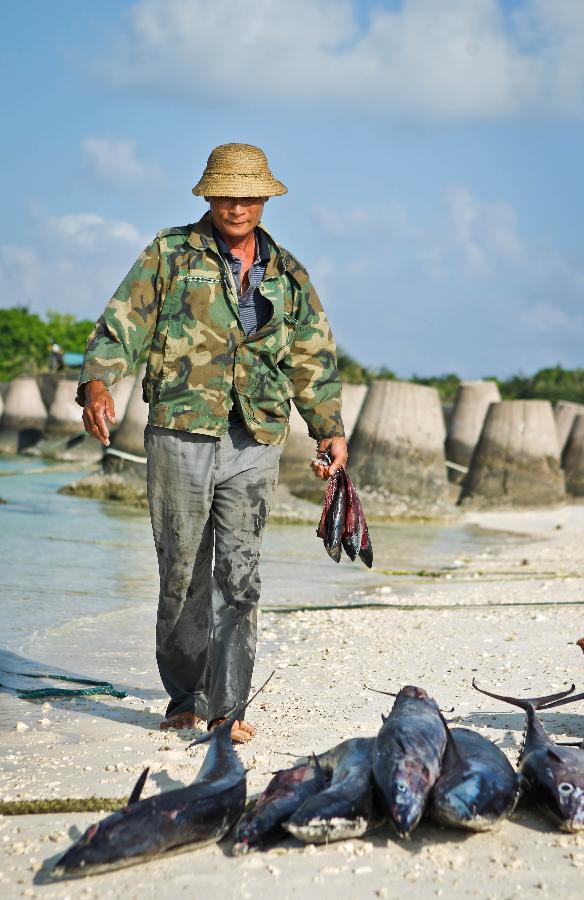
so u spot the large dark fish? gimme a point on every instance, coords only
(262, 825)
(407, 755)
(197, 815)
(345, 809)
(555, 773)
(477, 785)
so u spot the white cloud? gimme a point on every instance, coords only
(116, 164)
(466, 291)
(429, 58)
(73, 263)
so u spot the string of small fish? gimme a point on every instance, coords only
(342, 523)
(415, 765)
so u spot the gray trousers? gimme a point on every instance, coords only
(208, 494)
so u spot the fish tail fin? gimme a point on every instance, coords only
(572, 698)
(525, 703)
(228, 722)
(204, 738)
(377, 691)
(243, 708)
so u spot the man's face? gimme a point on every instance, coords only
(236, 217)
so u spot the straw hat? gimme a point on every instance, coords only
(238, 170)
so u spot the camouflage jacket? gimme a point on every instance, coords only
(179, 300)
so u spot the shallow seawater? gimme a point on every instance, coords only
(75, 572)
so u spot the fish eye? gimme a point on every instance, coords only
(565, 788)
(401, 787)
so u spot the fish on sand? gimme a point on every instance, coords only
(345, 809)
(199, 814)
(477, 786)
(287, 790)
(407, 756)
(553, 772)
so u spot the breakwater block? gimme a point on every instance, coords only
(516, 461)
(295, 471)
(64, 414)
(472, 401)
(24, 415)
(396, 451)
(129, 437)
(573, 458)
(564, 413)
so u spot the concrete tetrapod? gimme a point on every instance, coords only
(24, 415)
(64, 435)
(129, 436)
(516, 461)
(121, 393)
(396, 451)
(295, 470)
(470, 408)
(65, 438)
(64, 414)
(564, 414)
(573, 459)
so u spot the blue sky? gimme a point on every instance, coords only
(432, 150)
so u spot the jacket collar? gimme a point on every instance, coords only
(201, 238)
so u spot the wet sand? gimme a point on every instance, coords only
(508, 616)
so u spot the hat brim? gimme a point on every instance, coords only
(221, 185)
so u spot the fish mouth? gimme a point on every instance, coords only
(241, 848)
(63, 873)
(323, 830)
(404, 820)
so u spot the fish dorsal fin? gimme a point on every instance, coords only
(138, 787)
(451, 743)
(525, 702)
(319, 769)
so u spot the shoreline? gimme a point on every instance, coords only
(503, 616)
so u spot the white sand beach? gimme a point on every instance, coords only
(509, 615)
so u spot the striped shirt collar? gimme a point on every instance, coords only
(262, 250)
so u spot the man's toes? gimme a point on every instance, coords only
(242, 732)
(180, 721)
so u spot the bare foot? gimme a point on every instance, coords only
(241, 732)
(181, 720)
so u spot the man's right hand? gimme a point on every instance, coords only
(98, 406)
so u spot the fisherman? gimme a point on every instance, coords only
(234, 331)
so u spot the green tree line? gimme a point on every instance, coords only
(553, 383)
(25, 340)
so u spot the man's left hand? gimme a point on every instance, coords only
(337, 447)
